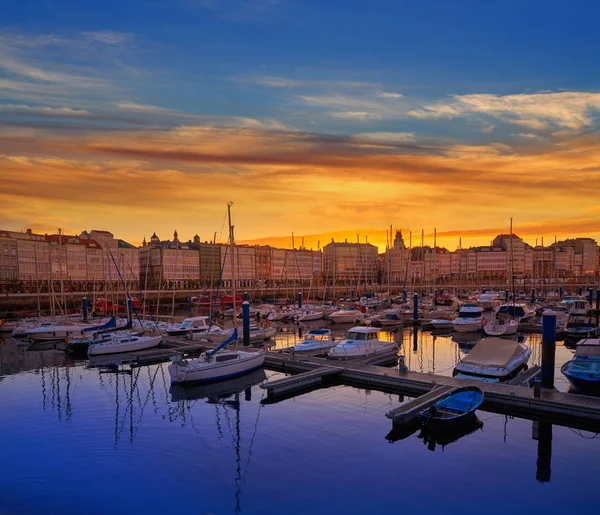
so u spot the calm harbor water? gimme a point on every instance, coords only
(75, 440)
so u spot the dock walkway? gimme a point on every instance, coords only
(558, 407)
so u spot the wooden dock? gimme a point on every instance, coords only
(299, 382)
(408, 412)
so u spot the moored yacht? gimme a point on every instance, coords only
(346, 316)
(580, 324)
(55, 332)
(192, 325)
(119, 343)
(488, 300)
(493, 360)
(359, 343)
(468, 319)
(317, 339)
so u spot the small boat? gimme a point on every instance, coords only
(390, 317)
(359, 343)
(579, 324)
(453, 409)
(583, 371)
(80, 346)
(309, 316)
(215, 365)
(440, 324)
(317, 339)
(469, 319)
(346, 316)
(488, 300)
(259, 334)
(192, 325)
(53, 332)
(118, 343)
(493, 360)
(500, 327)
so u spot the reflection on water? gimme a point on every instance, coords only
(76, 433)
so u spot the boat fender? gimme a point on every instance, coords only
(484, 321)
(1, 322)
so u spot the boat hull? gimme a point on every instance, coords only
(124, 346)
(217, 372)
(467, 327)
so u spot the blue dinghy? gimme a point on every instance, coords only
(455, 408)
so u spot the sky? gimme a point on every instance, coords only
(325, 119)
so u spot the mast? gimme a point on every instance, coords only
(62, 283)
(512, 263)
(233, 276)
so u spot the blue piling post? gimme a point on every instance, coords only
(533, 295)
(580, 291)
(299, 299)
(352, 293)
(246, 322)
(560, 292)
(416, 307)
(246, 299)
(548, 348)
(84, 308)
(404, 295)
(597, 299)
(590, 296)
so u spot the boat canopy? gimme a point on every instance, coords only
(319, 331)
(493, 352)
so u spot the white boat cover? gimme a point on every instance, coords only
(493, 352)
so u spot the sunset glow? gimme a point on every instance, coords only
(120, 128)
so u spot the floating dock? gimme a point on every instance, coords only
(513, 398)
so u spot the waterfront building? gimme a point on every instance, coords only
(350, 263)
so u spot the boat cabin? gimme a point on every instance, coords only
(363, 333)
(319, 335)
(194, 323)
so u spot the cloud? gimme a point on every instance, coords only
(385, 137)
(60, 112)
(108, 37)
(384, 94)
(271, 81)
(537, 111)
(356, 115)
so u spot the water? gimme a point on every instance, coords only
(77, 441)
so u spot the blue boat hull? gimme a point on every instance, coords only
(581, 385)
(453, 410)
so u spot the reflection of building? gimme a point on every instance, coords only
(350, 263)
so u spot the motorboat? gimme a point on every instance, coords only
(437, 314)
(518, 312)
(52, 332)
(390, 317)
(346, 316)
(117, 344)
(488, 300)
(500, 327)
(315, 340)
(360, 342)
(580, 325)
(199, 324)
(259, 334)
(583, 371)
(80, 346)
(455, 408)
(440, 324)
(309, 316)
(493, 360)
(468, 319)
(216, 365)
(568, 301)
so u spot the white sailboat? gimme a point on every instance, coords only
(117, 343)
(218, 364)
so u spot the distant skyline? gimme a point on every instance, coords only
(326, 119)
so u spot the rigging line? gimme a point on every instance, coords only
(150, 389)
(578, 433)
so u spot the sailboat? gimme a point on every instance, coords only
(218, 364)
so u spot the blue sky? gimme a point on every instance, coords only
(421, 96)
